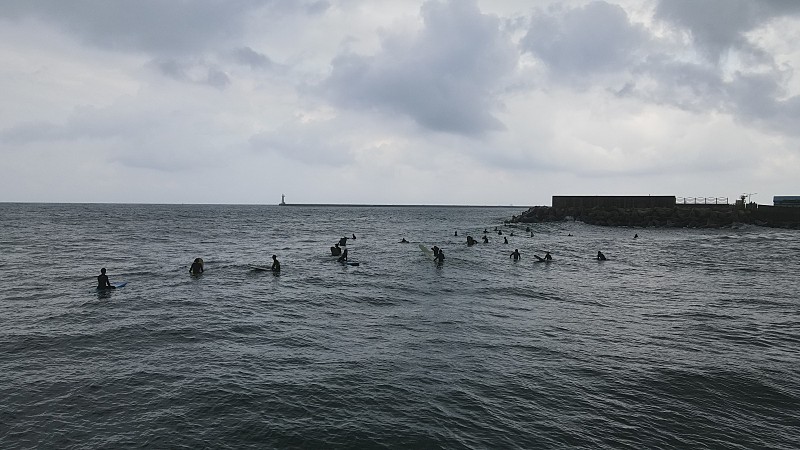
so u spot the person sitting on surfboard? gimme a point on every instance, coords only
(343, 258)
(102, 280)
(456, 233)
(336, 250)
(547, 256)
(276, 266)
(601, 256)
(485, 239)
(505, 240)
(354, 236)
(404, 241)
(439, 255)
(515, 254)
(197, 267)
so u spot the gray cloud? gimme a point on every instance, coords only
(592, 38)
(717, 25)
(157, 27)
(195, 73)
(598, 43)
(152, 26)
(443, 78)
(249, 57)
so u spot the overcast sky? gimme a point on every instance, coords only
(491, 102)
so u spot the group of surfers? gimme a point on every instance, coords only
(336, 250)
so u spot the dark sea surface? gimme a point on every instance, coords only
(682, 339)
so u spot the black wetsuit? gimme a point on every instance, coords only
(102, 281)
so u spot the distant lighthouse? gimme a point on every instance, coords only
(283, 200)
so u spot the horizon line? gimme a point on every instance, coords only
(375, 205)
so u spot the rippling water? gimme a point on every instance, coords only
(684, 338)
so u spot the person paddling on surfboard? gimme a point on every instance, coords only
(197, 267)
(276, 266)
(102, 280)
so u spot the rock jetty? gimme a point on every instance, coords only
(679, 216)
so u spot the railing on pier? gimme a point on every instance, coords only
(702, 201)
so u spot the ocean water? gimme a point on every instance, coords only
(682, 339)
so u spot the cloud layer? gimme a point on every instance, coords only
(439, 101)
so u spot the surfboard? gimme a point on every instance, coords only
(350, 263)
(116, 285)
(426, 251)
(262, 268)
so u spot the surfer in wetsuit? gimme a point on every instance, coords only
(439, 255)
(354, 236)
(456, 233)
(343, 258)
(601, 256)
(197, 267)
(485, 239)
(515, 255)
(343, 241)
(276, 266)
(471, 241)
(505, 240)
(547, 256)
(102, 280)
(404, 241)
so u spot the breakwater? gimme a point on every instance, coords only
(677, 216)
